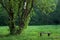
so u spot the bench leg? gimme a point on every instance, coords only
(48, 34)
(40, 34)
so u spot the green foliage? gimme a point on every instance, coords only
(46, 6)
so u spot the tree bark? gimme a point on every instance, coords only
(24, 16)
(21, 19)
(11, 22)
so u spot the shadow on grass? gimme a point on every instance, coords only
(1, 36)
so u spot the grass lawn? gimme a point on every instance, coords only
(32, 33)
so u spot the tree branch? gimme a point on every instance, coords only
(19, 5)
(31, 7)
(1, 2)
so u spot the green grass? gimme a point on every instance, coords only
(32, 33)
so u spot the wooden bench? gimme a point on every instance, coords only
(41, 33)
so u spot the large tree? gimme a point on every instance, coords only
(20, 8)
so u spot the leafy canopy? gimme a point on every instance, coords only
(46, 6)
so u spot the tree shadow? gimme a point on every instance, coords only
(1, 36)
(7, 35)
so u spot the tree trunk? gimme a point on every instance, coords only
(11, 22)
(21, 24)
(24, 19)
